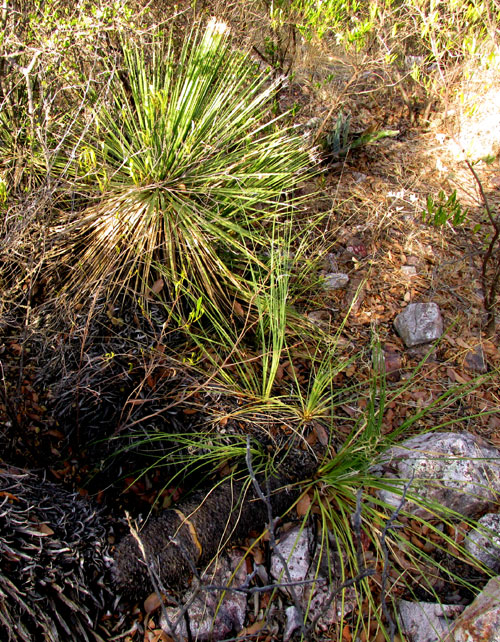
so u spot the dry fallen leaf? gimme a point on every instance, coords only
(454, 376)
(303, 505)
(152, 602)
(238, 310)
(321, 434)
(157, 635)
(45, 529)
(462, 343)
(157, 286)
(253, 628)
(4, 493)
(258, 555)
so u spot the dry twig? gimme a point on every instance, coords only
(490, 288)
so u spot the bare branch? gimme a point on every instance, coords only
(490, 289)
(272, 523)
(385, 571)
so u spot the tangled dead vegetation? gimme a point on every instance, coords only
(55, 565)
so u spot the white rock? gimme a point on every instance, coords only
(419, 323)
(294, 547)
(359, 177)
(335, 281)
(315, 594)
(456, 470)
(213, 614)
(409, 270)
(484, 543)
(426, 621)
(293, 622)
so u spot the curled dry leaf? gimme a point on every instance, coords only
(252, 629)
(157, 286)
(156, 635)
(45, 529)
(238, 310)
(303, 505)
(321, 434)
(152, 602)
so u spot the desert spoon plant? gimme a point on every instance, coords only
(188, 167)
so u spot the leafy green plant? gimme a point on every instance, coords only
(289, 22)
(350, 21)
(453, 28)
(191, 169)
(347, 19)
(444, 210)
(442, 30)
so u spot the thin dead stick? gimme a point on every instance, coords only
(272, 522)
(249, 590)
(385, 550)
(490, 291)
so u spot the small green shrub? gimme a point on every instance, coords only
(444, 209)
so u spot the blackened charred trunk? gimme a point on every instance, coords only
(193, 533)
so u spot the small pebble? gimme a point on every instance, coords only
(409, 270)
(335, 281)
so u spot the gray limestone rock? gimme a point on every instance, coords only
(293, 622)
(214, 614)
(426, 621)
(484, 543)
(459, 471)
(335, 281)
(314, 591)
(294, 547)
(419, 323)
(409, 270)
